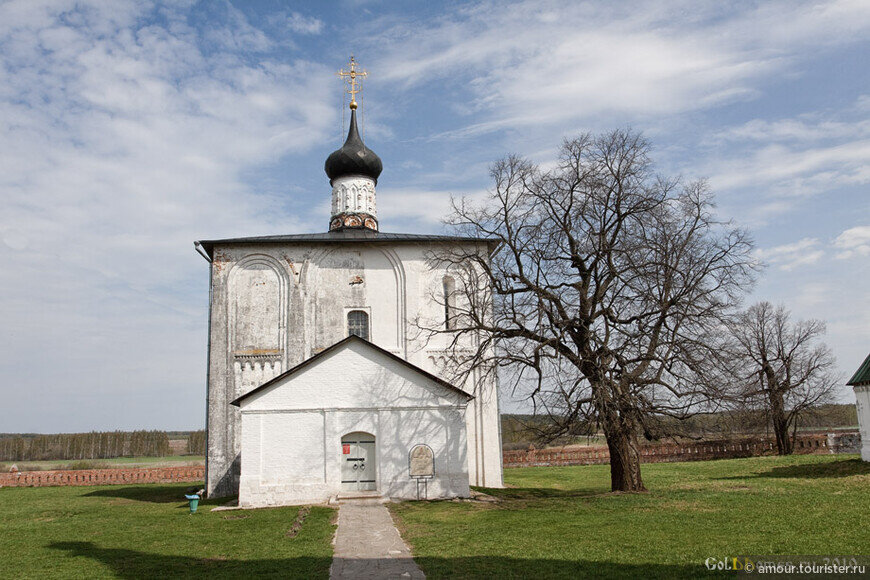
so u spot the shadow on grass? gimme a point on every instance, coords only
(154, 493)
(501, 567)
(131, 564)
(828, 470)
(540, 492)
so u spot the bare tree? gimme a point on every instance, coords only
(608, 289)
(782, 367)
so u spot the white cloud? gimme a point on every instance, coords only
(123, 140)
(793, 171)
(426, 207)
(810, 297)
(304, 24)
(778, 162)
(237, 34)
(539, 62)
(853, 242)
(787, 257)
(814, 127)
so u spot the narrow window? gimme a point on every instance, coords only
(358, 324)
(449, 302)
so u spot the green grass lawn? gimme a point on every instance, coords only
(145, 531)
(563, 523)
(551, 523)
(167, 461)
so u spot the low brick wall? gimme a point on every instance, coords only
(844, 442)
(813, 443)
(103, 476)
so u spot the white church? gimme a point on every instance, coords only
(320, 382)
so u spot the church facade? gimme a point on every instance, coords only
(320, 380)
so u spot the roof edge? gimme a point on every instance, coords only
(359, 237)
(237, 402)
(862, 375)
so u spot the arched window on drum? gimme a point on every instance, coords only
(358, 324)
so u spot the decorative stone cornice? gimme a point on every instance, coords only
(450, 352)
(258, 355)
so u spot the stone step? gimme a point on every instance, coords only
(359, 497)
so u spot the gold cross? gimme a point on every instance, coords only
(351, 77)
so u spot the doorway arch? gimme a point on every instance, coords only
(358, 462)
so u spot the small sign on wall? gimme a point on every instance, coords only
(421, 462)
(345, 448)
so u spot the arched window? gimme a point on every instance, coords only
(449, 302)
(358, 324)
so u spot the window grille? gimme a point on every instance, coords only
(358, 324)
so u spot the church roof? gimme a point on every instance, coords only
(338, 237)
(862, 375)
(353, 158)
(335, 347)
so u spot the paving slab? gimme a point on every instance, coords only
(368, 545)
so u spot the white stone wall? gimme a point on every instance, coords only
(862, 400)
(301, 294)
(291, 432)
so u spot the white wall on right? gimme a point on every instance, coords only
(862, 400)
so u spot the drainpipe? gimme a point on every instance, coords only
(205, 255)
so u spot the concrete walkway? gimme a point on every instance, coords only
(368, 545)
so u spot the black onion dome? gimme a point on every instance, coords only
(354, 158)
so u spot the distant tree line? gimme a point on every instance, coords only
(520, 431)
(93, 445)
(196, 443)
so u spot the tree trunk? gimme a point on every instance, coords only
(784, 443)
(624, 458)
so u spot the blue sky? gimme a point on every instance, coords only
(130, 129)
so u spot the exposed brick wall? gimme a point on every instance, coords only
(813, 443)
(102, 476)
